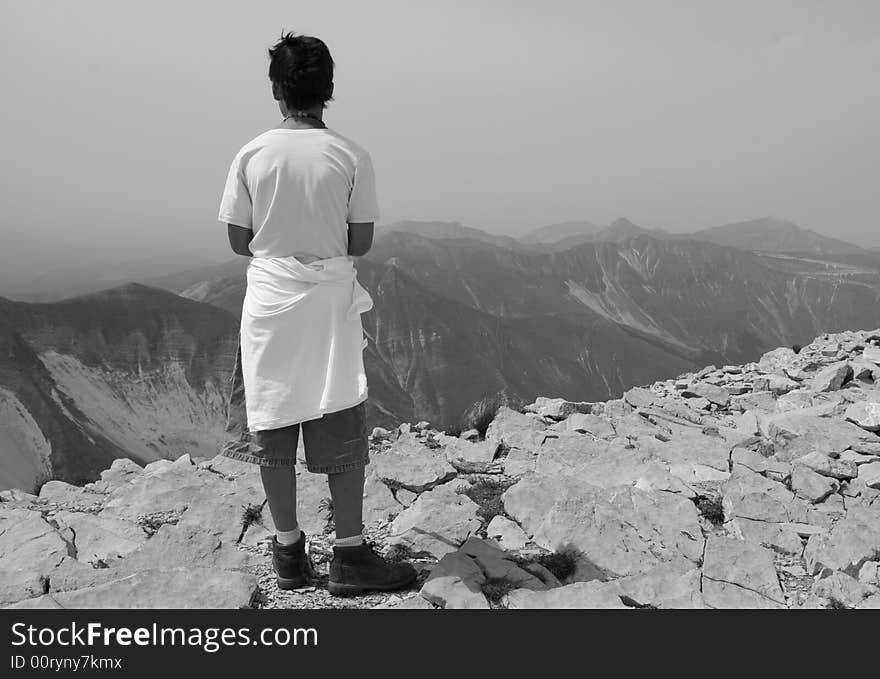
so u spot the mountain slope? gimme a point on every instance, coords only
(73, 281)
(458, 319)
(130, 372)
(447, 230)
(771, 234)
(553, 233)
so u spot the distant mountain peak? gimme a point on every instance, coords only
(775, 234)
(553, 233)
(623, 223)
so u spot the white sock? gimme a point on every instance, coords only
(288, 537)
(351, 541)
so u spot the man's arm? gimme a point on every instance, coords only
(239, 239)
(360, 238)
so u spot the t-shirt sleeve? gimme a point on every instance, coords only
(235, 205)
(362, 203)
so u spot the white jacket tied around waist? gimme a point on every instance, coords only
(302, 340)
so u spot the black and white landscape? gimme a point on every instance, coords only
(461, 316)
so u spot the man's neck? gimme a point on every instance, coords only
(315, 112)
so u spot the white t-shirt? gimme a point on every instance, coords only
(298, 189)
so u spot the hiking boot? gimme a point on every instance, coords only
(360, 569)
(291, 563)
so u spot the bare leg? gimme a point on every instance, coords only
(279, 483)
(347, 491)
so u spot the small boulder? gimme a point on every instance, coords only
(869, 474)
(438, 522)
(865, 414)
(811, 486)
(507, 533)
(832, 378)
(827, 466)
(558, 408)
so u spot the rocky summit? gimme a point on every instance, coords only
(736, 486)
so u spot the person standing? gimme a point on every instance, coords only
(300, 200)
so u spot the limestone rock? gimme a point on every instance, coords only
(780, 537)
(593, 594)
(379, 503)
(865, 414)
(507, 533)
(14, 495)
(661, 587)
(795, 434)
(622, 530)
(473, 457)
(639, 397)
(737, 574)
(757, 400)
(516, 430)
(869, 474)
(438, 522)
(558, 408)
(869, 573)
(760, 464)
(380, 434)
(852, 541)
(590, 424)
(841, 588)
(832, 378)
(775, 384)
(828, 466)
(29, 549)
(62, 493)
(100, 538)
(776, 360)
(178, 588)
(811, 486)
(184, 545)
(717, 395)
(751, 496)
(121, 471)
(496, 565)
(409, 603)
(456, 582)
(412, 465)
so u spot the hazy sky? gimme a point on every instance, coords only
(120, 118)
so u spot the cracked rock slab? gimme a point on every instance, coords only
(852, 541)
(473, 458)
(622, 530)
(739, 574)
(456, 583)
(30, 548)
(177, 588)
(506, 533)
(811, 486)
(438, 522)
(516, 430)
(593, 594)
(100, 538)
(865, 414)
(412, 465)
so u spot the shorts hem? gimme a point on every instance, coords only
(338, 468)
(260, 460)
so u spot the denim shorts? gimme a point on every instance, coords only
(334, 443)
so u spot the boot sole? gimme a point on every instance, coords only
(290, 583)
(342, 589)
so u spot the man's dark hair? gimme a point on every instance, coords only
(301, 69)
